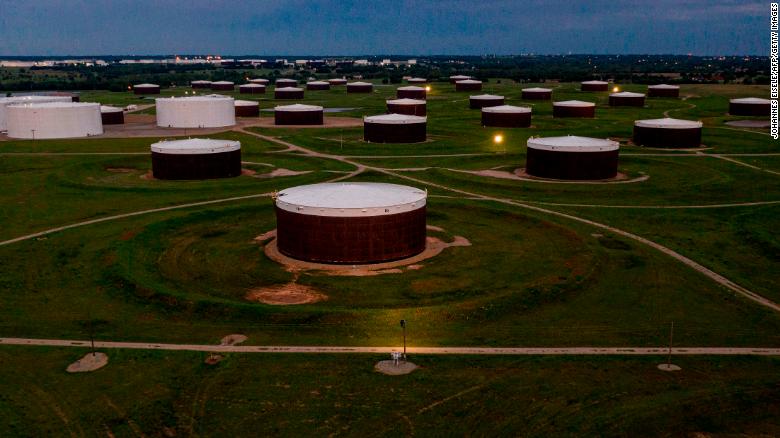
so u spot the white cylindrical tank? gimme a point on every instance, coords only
(54, 120)
(209, 111)
(5, 101)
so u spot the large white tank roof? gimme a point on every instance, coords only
(146, 86)
(572, 143)
(411, 88)
(5, 101)
(222, 83)
(406, 101)
(246, 103)
(351, 199)
(486, 97)
(506, 109)
(360, 83)
(574, 103)
(298, 108)
(289, 89)
(668, 123)
(663, 87)
(627, 94)
(206, 111)
(317, 83)
(195, 146)
(538, 90)
(394, 119)
(469, 81)
(459, 77)
(751, 101)
(110, 109)
(595, 83)
(252, 85)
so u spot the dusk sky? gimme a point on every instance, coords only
(350, 27)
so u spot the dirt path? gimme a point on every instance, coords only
(520, 351)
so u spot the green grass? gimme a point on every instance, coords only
(529, 279)
(164, 393)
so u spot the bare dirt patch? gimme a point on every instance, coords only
(213, 359)
(120, 169)
(233, 339)
(90, 362)
(749, 123)
(390, 368)
(248, 172)
(522, 175)
(286, 294)
(433, 247)
(149, 176)
(281, 172)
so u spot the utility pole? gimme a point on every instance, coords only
(403, 327)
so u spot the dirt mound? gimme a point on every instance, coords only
(286, 294)
(90, 362)
(390, 367)
(233, 339)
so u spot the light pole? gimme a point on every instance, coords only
(403, 327)
(498, 139)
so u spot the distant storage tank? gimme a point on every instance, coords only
(572, 158)
(223, 86)
(352, 222)
(251, 89)
(318, 85)
(468, 85)
(283, 83)
(416, 81)
(298, 115)
(53, 120)
(196, 158)
(395, 128)
(247, 108)
(485, 100)
(112, 115)
(288, 93)
(410, 92)
(208, 111)
(667, 133)
(360, 87)
(410, 107)
(5, 101)
(259, 81)
(574, 108)
(750, 106)
(146, 89)
(200, 84)
(537, 93)
(455, 78)
(337, 81)
(627, 98)
(663, 90)
(594, 86)
(506, 116)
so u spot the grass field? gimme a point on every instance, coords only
(529, 278)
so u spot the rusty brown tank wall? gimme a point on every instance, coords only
(594, 87)
(394, 133)
(411, 110)
(337, 82)
(298, 117)
(251, 90)
(114, 118)
(574, 111)
(283, 94)
(358, 240)
(196, 166)
(248, 111)
(537, 95)
(742, 109)
(571, 165)
(411, 94)
(285, 83)
(484, 103)
(468, 87)
(318, 87)
(667, 138)
(222, 87)
(359, 88)
(626, 101)
(506, 120)
(146, 90)
(200, 86)
(663, 92)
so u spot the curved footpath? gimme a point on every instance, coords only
(313, 349)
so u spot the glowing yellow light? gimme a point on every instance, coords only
(498, 138)
(129, 87)
(615, 90)
(427, 88)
